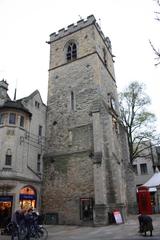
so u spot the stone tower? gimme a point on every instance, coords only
(87, 151)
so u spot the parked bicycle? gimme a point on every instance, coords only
(24, 232)
(16, 232)
(38, 232)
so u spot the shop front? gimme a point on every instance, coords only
(28, 197)
(6, 203)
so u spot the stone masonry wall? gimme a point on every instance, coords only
(68, 179)
(79, 78)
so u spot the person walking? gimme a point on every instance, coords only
(18, 221)
(145, 224)
(29, 221)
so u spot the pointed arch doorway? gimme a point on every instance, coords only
(28, 197)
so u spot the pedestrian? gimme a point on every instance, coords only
(145, 224)
(29, 220)
(18, 220)
(18, 217)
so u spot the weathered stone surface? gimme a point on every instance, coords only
(85, 153)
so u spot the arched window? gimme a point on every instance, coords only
(28, 197)
(71, 51)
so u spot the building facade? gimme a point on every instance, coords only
(86, 166)
(22, 144)
(144, 166)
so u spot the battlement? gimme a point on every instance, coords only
(72, 28)
(4, 84)
(75, 27)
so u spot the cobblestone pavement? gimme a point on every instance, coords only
(127, 231)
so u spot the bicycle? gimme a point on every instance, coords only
(38, 232)
(21, 232)
(17, 232)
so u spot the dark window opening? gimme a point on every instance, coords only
(8, 161)
(12, 118)
(1, 118)
(39, 163)
(37, 104)
(21, 121)
(40, 131)
(72, 100)
(104, 57)
(143, 168)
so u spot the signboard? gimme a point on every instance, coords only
(27, 197)
(6, 199)
(118, 217)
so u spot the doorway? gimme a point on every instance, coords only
(86, 209)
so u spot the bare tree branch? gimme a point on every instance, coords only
(157, 52)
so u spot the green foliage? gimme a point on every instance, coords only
(138, 122)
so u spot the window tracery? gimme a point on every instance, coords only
(71, 51)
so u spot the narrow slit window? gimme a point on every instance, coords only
(21, 121)
(39, 163)
(72, 101)
(104, 57)
(40, 131)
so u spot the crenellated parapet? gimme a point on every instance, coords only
(78, 26)
(4, 84)
(72, 28)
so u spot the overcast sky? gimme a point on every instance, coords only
(25, 26)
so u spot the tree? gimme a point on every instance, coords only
(138, 122)
(156, 50)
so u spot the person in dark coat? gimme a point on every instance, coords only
(18, 220)
(18, 217)
(29, 220)
(145, 224)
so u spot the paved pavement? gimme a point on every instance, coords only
(126, 231)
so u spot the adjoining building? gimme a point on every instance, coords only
(22, 145)
(146, 168)
(87, 174)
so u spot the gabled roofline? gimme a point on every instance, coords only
(31, 96)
